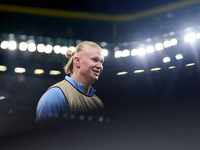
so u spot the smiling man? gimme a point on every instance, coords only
(74, 95)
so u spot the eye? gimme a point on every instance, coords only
(95, 60)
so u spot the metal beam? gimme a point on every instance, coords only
(96, 16)
(55, 13)
(157, 10)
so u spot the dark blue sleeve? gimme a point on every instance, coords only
(53, 104)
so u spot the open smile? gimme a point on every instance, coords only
(96, 72)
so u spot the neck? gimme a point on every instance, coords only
(78, 79)
(85, 89)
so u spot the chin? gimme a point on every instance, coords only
(95, 79)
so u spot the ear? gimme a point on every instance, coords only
(76, 61)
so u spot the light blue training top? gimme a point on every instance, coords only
(53, 103)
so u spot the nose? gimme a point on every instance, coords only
(99, 66)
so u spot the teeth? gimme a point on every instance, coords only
(96, 71)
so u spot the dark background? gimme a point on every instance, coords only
(150, 110)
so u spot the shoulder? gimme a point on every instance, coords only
(53, 96)
(52, 104)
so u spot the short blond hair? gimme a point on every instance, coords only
(69, 66)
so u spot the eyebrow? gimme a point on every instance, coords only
(100, 58)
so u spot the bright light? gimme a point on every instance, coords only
(125, 53)
(179, 56)
(72, 48)
(57, 49)
(19, 70)
(122, 73)
(23, 46)
(190, 37)
(173, 42)
(138, 71)
(155, 69)
(64, 50)
(141, 51)
(134, 52)
(167, 44)
(41, 48)
(12, 45)
(172, 67)
(188, 29)
(118, 54)
(150, 49)
(3, 68)
(54, 72)
(100, 119)
(82, 117)
(166, 59)
(4, 44)
(171, 33)
(38, 71)
(31, 47)
(103, 44)
(198, 35)
(105, 52)
(48, 49)
(159, 46)
(2, 98)
(191, 64)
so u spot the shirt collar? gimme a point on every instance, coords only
(80, 86)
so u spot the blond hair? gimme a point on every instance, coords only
(69, 66)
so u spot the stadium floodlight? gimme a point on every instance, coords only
(4, 44)
(19, 70)
(167, 44)
(191, 64)
(100, 119)
(172, 67)
(166, 59)
(72, 48)
(125, 53)
(48, 49)
(179, 56)
(103, 44)
(141, 51)
(134, 52)
(23, 46)
(198, 35)
(171, 33)
(159, 46)
(150, 49)
(155, 69)
(138, 71)
(121, 73)
(173, 42)
(189, 37)
(38, 71)
(105, 52)
(3, 68)
(31, 47)
(81, 117)
(41, 48)
(12, 45)
(57, 49)
(118, 54)
(54, 72)
(64, 50)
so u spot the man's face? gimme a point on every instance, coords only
(91, 63)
